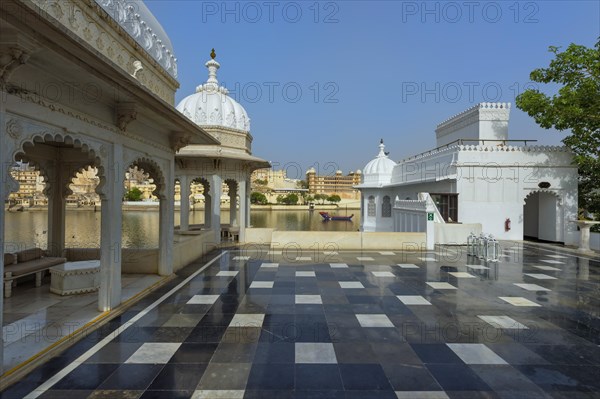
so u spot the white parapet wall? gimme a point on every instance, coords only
(455, 233)
(346, 240)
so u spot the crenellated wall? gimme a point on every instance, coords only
(484, 121)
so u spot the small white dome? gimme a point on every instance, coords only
(380, 169)
(212, 106)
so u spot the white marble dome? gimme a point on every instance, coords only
(139, 22)
(379, 170)
(212, 106)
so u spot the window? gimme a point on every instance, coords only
(386, 207)
(371, 208)
(447, 204)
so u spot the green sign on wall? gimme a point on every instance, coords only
(429, 216)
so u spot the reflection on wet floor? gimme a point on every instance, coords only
(260, 324)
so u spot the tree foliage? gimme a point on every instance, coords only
(575, 106)
(258, 198)
(320, 197)
(135, 194)
(334, 198)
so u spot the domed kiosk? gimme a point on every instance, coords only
(376, 204)
(231, 162)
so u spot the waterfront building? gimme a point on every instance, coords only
(476, 175)
(231, 163)
(338, 184)
(91, 84)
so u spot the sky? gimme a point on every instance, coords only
(323, 81)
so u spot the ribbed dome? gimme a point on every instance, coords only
(380, 169)
(140, 23)
(212, 106)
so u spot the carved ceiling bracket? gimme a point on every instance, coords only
(179, 140)
(126, 113)
(15, 50)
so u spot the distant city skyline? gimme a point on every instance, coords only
(323, 81)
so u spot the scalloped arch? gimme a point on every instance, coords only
(49, 137)
(558, 195)
(151, 167)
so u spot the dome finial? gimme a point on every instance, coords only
(381, 149)
(213, 55)
(212, 83)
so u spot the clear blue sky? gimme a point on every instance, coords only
(368, 69)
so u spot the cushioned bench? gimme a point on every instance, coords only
(25, 263)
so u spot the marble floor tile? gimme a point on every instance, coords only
(216, 394)
(261, 284)
(422, 395)
(247, 320)
(440, 285)
(270, 265)
(413, 300)
(461, 275)
(315, 352)
(408, 266)
(303, 258)
(203, 300)
(554, 262)
(478, 267)
(308, 299)
(387, 253)
(364, 258)
(338, 265)
(183, 320)
(305, 274)
(428, 259)
(383, 274)
(476, 354)
(503, 322)
(540, 276)
(532, 287)
(224, 273)
(374, 320)
(154, 353)
(351, 284)
(518, 301)
(550, 268)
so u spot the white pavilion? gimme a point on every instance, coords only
(92, 83)
(478, 178)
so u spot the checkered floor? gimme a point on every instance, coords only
(348, 325)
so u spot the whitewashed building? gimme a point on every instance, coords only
(475, 175)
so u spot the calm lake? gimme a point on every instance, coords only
(140, 228)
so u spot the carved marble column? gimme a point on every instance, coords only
(207, 209)
(184, 207)
(56, 192)
(233, 202)
(215, 206)
(166, 216)
(243, 209)
(111, 195)
(7, 185)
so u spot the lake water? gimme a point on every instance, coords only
(140, 228)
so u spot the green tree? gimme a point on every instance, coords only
(135, 194)
(575, 106)
(320, 197)
(280, 199)
(334, 198)
(290, 199)
(310, 198)
(258, 198)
